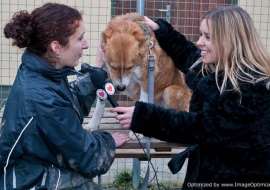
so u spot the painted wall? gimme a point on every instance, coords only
(259, 10)
(96, 15)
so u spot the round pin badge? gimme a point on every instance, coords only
(101, 94)
(109, 88)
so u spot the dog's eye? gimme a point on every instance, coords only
(129, 68)
(114, 68)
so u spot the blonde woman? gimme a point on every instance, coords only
(228, 125)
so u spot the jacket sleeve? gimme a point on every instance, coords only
(166, 124)
(88, 153)
(183, 52)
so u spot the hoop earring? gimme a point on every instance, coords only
(58, 55)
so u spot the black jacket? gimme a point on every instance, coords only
(231, 134)
(41, 130)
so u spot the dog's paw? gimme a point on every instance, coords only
(133, 137)
(91, 126)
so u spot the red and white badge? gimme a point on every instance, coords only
(109, 88)
(101, 94)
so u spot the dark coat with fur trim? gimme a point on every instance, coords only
(232, 133)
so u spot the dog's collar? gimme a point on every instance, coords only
(151, 44)
(145, 30)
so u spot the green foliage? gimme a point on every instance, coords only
(123, 181)
(123, 177)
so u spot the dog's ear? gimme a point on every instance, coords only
(104, 35)
(107, 33)
(103, 44)
(140, 36)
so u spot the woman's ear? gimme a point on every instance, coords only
(56, 47)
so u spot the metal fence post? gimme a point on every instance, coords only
(136, 161)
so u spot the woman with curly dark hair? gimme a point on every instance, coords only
(42, 142)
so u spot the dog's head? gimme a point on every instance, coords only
(124, 44)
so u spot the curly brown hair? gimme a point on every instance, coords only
(45, 24)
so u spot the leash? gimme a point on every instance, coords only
(151, 66)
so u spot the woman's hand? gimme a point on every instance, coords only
(125, 118)
(120, 138)
(99, 58)
(154, 26)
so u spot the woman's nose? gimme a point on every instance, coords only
(85, 44)
(199, 42)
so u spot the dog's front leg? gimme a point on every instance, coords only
(97, 116)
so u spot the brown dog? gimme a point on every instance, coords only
(127, 43)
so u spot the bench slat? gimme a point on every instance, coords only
(132, 149)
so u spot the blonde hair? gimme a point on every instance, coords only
(238, 46)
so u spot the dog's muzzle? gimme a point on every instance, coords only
(121, 88)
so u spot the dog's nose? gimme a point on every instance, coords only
(121, 88)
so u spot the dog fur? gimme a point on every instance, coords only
(125, 43)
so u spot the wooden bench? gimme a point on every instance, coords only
(133, 149)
